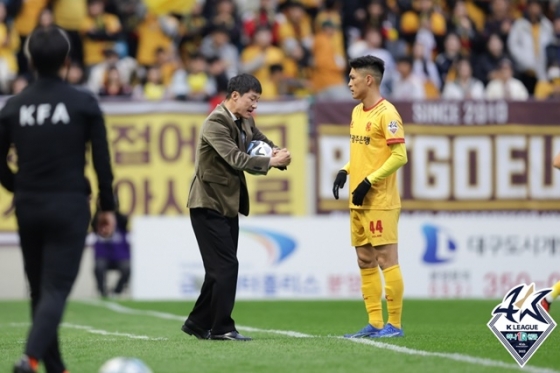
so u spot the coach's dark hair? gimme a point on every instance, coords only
(374, 65)
(47, 49)
(242, 84)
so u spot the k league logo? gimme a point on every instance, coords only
(519, 322)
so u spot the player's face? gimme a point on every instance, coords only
(357, 84)
(246, 104)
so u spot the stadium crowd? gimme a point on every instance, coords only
(451, 49)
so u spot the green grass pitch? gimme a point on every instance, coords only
(441, 336)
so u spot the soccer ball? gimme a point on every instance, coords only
(259, 148)
(124, 365)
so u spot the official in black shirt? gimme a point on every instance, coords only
(50, 124)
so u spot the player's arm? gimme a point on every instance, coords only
(218, 136)
(396, 160)
(391, 125)
(7, 176)
(556, 162)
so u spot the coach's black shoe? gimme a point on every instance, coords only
(191, 328)
(231, 336)
(25, 365)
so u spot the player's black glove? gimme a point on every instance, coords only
(339, 182)
(360, 192)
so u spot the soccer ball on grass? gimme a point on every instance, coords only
(124, 365)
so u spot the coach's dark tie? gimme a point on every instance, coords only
(238, 123)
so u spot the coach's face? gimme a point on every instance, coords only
(358, 84)
(245, 104)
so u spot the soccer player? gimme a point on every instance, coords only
(545, 303)
(51, 124)
(377, 151)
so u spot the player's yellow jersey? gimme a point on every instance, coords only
(371, 132)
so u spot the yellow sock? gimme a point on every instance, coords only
(394, 289)
(555, 291)
(371, 290)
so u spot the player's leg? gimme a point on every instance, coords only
(66, 220)
(384, 230)
(550, 297)
(369, 274)
(124, 270)
(100, 271)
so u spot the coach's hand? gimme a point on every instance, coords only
(360, 192)
(339, 182)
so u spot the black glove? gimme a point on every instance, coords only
(360, 192)
(339, 182)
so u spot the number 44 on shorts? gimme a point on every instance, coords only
(376, 227)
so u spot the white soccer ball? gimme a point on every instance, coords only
(259, 148)
(124, 365)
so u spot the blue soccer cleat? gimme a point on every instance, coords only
(366, 331)
(388, 331)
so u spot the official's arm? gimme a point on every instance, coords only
(218, 136)
(396, 160)
(100, 156)
(7, 176)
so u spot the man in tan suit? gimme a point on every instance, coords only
(217, 195)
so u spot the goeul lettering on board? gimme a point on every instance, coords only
(459, 167)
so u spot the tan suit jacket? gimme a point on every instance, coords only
(221, 157)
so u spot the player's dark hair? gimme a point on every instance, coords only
(47, 48)
(242, 84)
(374, 65)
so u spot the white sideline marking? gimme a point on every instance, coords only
(385, 346)
(92, 330)
(168, 316)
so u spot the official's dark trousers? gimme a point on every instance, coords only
(52, 230)
(217, 238)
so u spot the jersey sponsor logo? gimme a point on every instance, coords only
(357, 139)
(30, 115)
(393, 127)
(520, 323)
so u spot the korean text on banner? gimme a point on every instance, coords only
(153, 154)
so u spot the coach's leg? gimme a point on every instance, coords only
(222, 253)
(387, 256)
(65, 233)
(201, 314)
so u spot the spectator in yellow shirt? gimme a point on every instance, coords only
(25, 21)
(100, 31)
(257, 58)
(151, 37)
(329, 66)
(9, 45)
(70, 15)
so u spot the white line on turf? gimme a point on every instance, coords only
(92, 330)
(385, 346)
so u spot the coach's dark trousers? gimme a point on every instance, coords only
(52, 231)
(217, 238)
